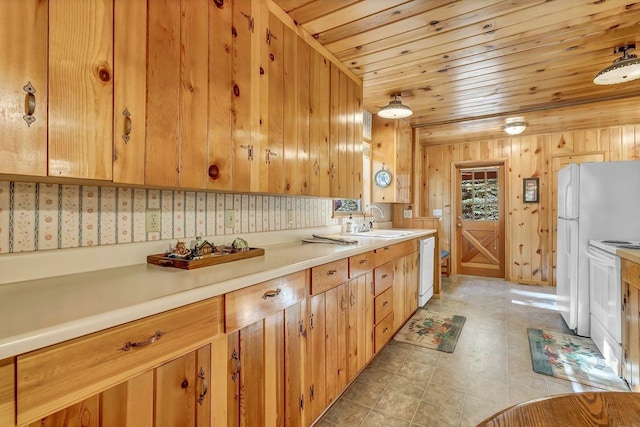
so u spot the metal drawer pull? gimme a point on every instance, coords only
(384, 276)
(343, 304)
(129, 345)
(126, 136)
(29, 103)
(386, 248)
(386, 303)
(362, 261)
(234, 356)
(332, 272)
(352, 299)
(205, 386)
(271, 294)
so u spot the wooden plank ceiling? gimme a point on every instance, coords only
(464, 66)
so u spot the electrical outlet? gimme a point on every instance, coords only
(406, 213)
(437, 212)
(290, 216)
(229, 219)
(152, 221)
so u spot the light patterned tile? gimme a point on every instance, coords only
(277, 213)
(125, 215)
(70, 217)
(211, 214)
(237, 213)
(48, 216)
(259, 214)
(252, 213)
(179, 215)
(24, 217)
(107, 215)
(220, 206)
(244, 213)
(139, 214)
(153, 199)
(201, 214)
(166, 214)
(90, 209)
(190, 214)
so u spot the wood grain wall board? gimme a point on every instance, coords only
(289, 166)
(278, 104)
(334, 131)
(129, 404)
(220, 152)
(303, 71)
(349, 139)
(274, 369)
(162, 153)
(129, 89)
(80, 89)
(85, 413)
(24, 148)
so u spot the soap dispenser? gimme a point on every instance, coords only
(349, 226)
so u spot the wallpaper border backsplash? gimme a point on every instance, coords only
(38, 216)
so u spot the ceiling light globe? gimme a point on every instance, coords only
(514, 125)
(395, 109)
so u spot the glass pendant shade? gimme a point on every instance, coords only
(395, 109)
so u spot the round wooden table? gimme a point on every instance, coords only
(605, 408)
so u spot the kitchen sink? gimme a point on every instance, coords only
(384, 234)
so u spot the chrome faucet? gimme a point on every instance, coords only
(369, 227)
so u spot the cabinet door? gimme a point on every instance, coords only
(182, 390)
(411, 284)
(319, 106)
(294, 364)
(7, 392)
(129, 90)
(274, 152)
(399, 290)
(334, 133)
(633, 353)
(84, 413)
(360, 323)
(303, 168)
(316, 358)
(403, 168)
(129, 404)
(81, 89)
(336, 324)
(23, 87)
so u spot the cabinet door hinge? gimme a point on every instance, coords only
(250, 20)
(301, 330)
(249, 149)
(302, 401)
(311, 393)
(311, 322)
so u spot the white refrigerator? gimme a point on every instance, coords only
(595, 201)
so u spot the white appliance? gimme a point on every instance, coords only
(595, 201)
(427, 249)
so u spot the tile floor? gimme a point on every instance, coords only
(490, 369)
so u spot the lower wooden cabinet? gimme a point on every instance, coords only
(405, 289)
(360, 319)
(631, 323)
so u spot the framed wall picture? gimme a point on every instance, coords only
(531, 190)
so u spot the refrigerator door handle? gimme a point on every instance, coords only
(568, 205)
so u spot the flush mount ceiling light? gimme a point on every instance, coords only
(395, 109)
(514, 125)
(623, 69)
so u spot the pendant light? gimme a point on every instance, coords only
(395, 109)
(623, 69)
(514, 125)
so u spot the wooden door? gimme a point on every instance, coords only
(316, 359)
(559, 162)
(129, 404)
(399, 290)
(129, 90)
(23, 65)
(411, 284)
(336, 341)
(480, 221)
(319, 105)
(81, 89)
(360, 323)
(182, 390)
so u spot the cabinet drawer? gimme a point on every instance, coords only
(631, 272)
(383, 332)
(383, 305)
(246, 306)
(360, 264)
(383, 278)
(392, 252)
(55, 377)
(327, 276)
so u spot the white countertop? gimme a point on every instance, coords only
(42, 312)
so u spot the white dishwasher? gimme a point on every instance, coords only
(427, 249)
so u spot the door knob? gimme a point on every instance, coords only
(459, 225)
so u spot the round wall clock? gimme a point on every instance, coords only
(382, 178)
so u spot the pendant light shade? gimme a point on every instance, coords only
(395, 109)
(514, 125)
(623, 69)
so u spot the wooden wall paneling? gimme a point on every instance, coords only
(611, 143)
(517, 235)
(194, 96)
(162, 152)
(403, 163)
(334, 132)
(129, 404)
(630, 147)
(350, 176)
(319, 124)
(527, 243)
(260, 95)
(343, 172)
(358, 140)
(304, 169)
(291, 175)
(129, 90)
(81, 89)
(278, 105)
(220, 148)
(247, 152)
(274, 369)
(23, 148)
(324, 114)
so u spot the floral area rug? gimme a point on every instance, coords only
(571, 358)
(432, 330)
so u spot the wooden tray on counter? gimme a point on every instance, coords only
(189, 264)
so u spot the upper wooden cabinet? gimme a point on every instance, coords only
(23, 87)
(391, 149)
